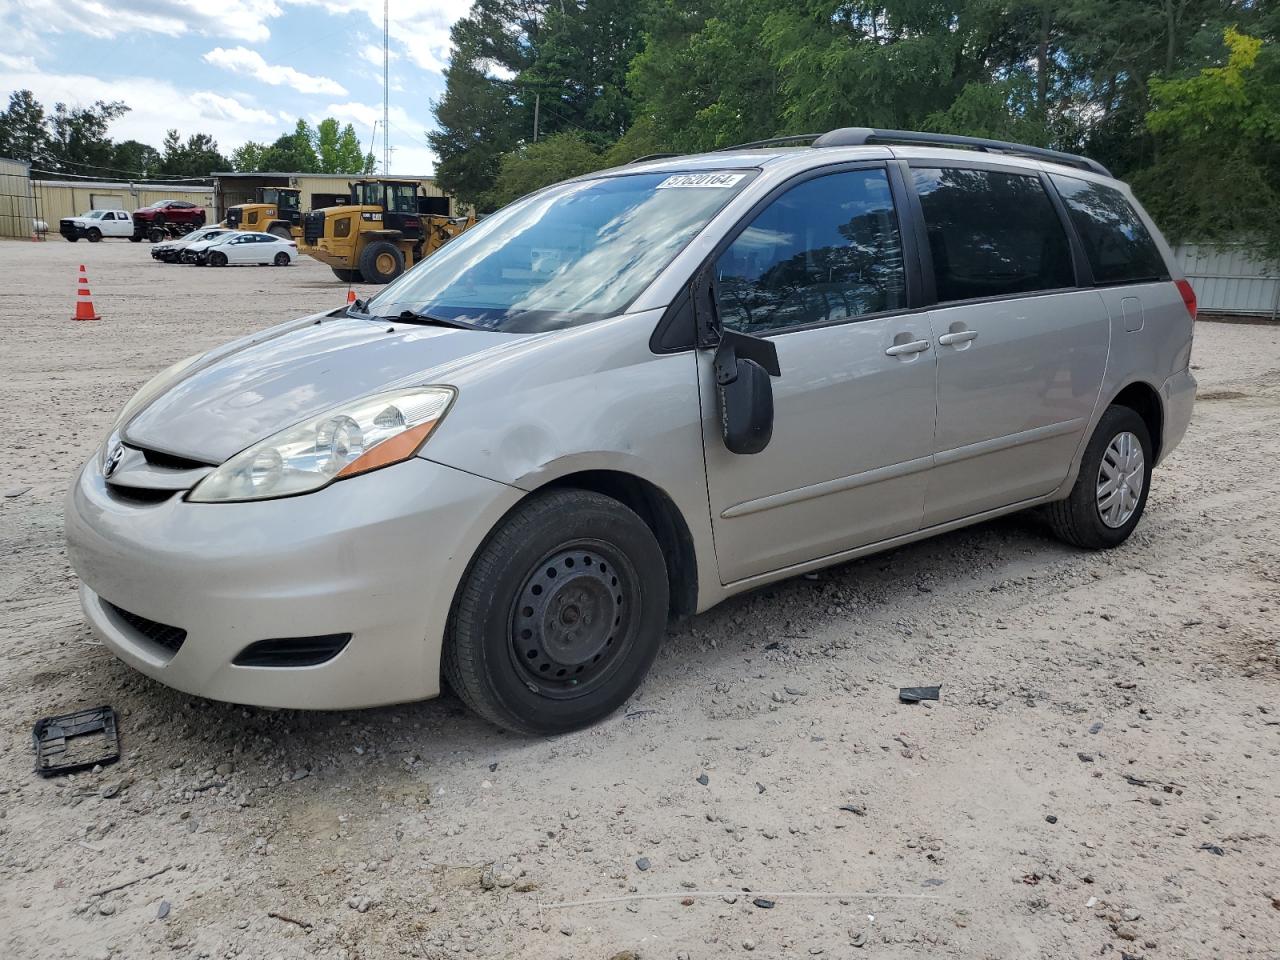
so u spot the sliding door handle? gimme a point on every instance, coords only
(959, 336)
(914, 346)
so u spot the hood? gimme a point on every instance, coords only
(249, 391)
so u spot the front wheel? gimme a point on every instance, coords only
(560, 615)
(156, 234)
(1110, 493)
(94, 234)
(381, 262)
(217, 259)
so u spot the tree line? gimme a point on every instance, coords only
(75, 142)
(1180, 97)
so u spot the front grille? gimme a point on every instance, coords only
(158, 458)
(313, 226)
(171, 638)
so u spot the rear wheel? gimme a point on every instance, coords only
(347, 276)
(94, 234)
(156, 234)
(560, 615)
(281, 259)
(134, 238)
(1110, 493)
(381, 262)
(217, 259)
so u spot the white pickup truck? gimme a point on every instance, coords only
(96, 224)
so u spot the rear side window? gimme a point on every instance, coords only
(826, 250)
(1117, 243)
(992, 234)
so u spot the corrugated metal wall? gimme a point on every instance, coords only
(1227, 280)
(17, 203)
(58, 199)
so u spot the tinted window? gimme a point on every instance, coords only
(992, 234)
(1119, 248)
(826, 250)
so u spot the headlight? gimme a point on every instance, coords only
(347, 440)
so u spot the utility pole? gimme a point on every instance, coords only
(537, 104)
(386, 87)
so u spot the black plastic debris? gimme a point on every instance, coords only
(763, 903)
(916, 694)
(1213, 848)
(76, 741)
(703, 779)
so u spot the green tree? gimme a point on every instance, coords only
(23, 135)
(132, 158)
(535, 165)
(338, 149)
(1217, 176)
(78, 142)
(247, 158)
(197, 156)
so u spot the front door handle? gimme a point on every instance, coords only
(913, 346)
(959, 336)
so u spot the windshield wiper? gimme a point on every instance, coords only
(430, 319)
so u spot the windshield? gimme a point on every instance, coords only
(93, 215)
(571, 254)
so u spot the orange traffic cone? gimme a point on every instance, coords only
(351, 295)
(84, 302)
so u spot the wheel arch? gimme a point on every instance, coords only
(1144, 400)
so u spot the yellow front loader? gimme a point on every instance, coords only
(277, 211)
(387, 228)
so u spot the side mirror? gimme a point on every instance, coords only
(744, 393)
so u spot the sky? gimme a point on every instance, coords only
(236, 69)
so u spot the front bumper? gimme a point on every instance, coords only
(378, 556)
(1178, 395)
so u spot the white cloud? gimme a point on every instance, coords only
(250, 63)
(157, 106)
(241, 19)
(419, 27)
(9, 62)
(410, 151)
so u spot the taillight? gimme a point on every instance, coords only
(1188, 296)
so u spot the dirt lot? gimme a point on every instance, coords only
(1100, 778)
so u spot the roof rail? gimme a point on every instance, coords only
(771, 142)
(860, 136)
(652, 156)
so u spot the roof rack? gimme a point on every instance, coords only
(862, 136)
(858, 136)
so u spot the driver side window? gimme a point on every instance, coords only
(825, 251)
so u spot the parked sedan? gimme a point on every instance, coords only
(171, 251)
(241, 248)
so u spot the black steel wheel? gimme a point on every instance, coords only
(560, 615)
(94, 234)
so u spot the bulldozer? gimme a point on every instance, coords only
(388, 226)
(277, 211)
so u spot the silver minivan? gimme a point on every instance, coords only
(625, 398)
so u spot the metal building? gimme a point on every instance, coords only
(19, 214)
(1228, 280)
(318, 190)
(70, 198)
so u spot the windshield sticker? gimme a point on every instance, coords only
(721, 180)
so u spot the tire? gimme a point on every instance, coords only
(94, 234)
(347, 276)
(217, 259)
(134, 238)
(73, 239)
(1079, 519)
(156, 234)
(281, 231)
(577, 554)
(381, 262)
(281, 259)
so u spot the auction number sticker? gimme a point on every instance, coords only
(721, 180)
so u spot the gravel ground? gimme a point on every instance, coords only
(1099, 778)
